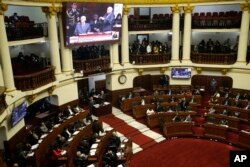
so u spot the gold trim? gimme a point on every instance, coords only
(224, 71)
(31, 98)
(245, 7)
(140, 71)
(176, 9)
(199, 70)
(3, 8)
(163, 69)
(125, 10)
(51, 10)
(188, 9)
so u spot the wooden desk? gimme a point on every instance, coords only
(41, 151)
(154, 119)
(126, 151)
(139, 111)
(127, 104)
(100, 110)
(233, 122)
(178, 129)
(215, 131)
(244, 139)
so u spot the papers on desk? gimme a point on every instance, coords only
(96, 105)
(70, 139)
(76, 132)
(43, 136)
(106, 103)
(40, 141)
(56, 125)
(70, 117)
(63, 152)
(122, 145)
(94, 145)
(244, 131)
(119, 154)
(30, 154)
(125, 140)
(92, 152)
(102, 134)
(109, 129)
(33, 147)
(97, 140)
(91, 165)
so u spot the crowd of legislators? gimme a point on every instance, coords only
(146, 47)
(90, 52)
(211, 46)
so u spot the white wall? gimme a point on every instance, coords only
(217, 8)
(94, 78)
(35, 13)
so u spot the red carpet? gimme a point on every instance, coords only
(128, 131)
(184, 152)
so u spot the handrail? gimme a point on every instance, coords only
(34, 80)
(214, 58)
(142, 59)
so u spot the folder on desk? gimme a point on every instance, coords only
(40, 141)
(109, 129)
(33, 147)
(122, 145)
(76, 132)
(92, 152)
(70, 139)
(94, 145)
(43, 136)
(63, 152)
(31, 154)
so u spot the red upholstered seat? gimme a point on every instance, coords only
(232, 137)
(198, 131)
(199, 120)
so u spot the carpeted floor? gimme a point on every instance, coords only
(184, 152)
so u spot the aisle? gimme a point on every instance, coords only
(125, 125)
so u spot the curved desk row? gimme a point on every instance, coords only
(43, 147)
(212, 131)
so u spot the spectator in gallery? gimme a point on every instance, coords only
(107, 20)
(150, 111)
(213, 85)
(14, 18)
(118, 19)
(73, 16)
(95, 24)
(82, 27)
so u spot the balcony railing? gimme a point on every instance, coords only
(147, 59)
(214, 58)
(34, 80)
(92, 66)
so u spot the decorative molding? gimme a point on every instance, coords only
(3, 8)
(140, 71)
(176, 9)
(163, 69)
(224, 71)
(188, 9)
(31, 98)
(51, 90)
(51, 10)
(125, 10)
(245, 7)
(199, 70)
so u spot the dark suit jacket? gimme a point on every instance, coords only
(108, 22)
(80, 29)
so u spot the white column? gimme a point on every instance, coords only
(115, 53)
(53, 37)
(244, 28)
(5, 53)
(175, 33)
(187, 34)
(66, 53)
(125, 39)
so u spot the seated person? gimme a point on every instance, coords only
(238, 96)
(96, 127)
(177, 118)
(59, 118)
(237, 103)
(80, 159)
(68, 111)
(159, 108)
(57, 152)
(225, 112)
(184, 104)
(33, 138)
(226, 102)
(60, 140)
(130, 95)
(77, 109)
(43, 128)
(170, 109)
(150, 111)
(109, 158)
(211, 110)
(66, 133)
(216, 94)
(224, 122)
(142, 102)
(213, 100)
(172, 100)
(248, 106)
(102, 96)
(114, 142)
(91, 101)
(188, 118)
(237, 114)
(192, 100)
(169, 92)
(156, 93)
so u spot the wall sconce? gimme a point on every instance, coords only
(199, 70)
(140, 71)
(163, 69)
(224, 71)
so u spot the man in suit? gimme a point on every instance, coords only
(73, 16)
(82, 27)
(95, 24)
(108, 20)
